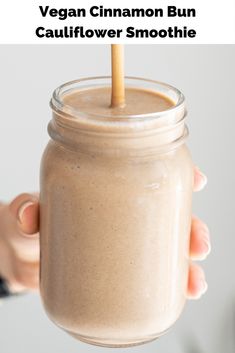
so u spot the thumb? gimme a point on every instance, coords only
(25, 209)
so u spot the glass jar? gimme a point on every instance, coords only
(115, 219)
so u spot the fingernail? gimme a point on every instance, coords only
(22, 210)
(206, 240)
(206, 252)
(203, 180)
(203, 287)
(205, 228)
(205, 247)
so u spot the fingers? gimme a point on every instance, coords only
(25, 209)
(200, 245)
(20, 243)
(199, 249)
(197, 285)
(200, 180)
(29, 217)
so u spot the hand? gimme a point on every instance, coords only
(199, 246)
(19, 244)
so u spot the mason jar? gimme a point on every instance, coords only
(115, 218)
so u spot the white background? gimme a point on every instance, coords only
(215, 21)
(206, 75)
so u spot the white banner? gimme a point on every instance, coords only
(117, 21)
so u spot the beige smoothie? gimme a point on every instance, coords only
(116, 185)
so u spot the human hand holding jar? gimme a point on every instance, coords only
(115, 215)
(19, 227)
(19, 247)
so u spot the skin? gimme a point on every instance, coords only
(19, 244)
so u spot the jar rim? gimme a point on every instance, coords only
(59, 106)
